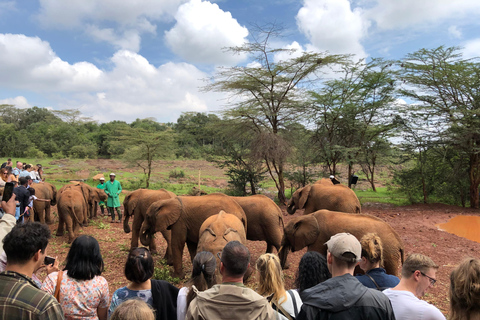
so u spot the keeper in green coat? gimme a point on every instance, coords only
(101, 186)
(113, 189)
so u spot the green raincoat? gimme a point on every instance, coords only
(113, 189)
(102, 187)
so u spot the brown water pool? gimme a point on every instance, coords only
(463, 226)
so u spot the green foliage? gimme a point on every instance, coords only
(100, 224)
(176, 174)
(162, 272)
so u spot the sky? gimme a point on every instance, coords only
(123, 60)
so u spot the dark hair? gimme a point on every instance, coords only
(24, 240)
(23, 180)
(9, 169)
(235, 258)
(84, 260)
(312, 270)
(139, 266)
(32, 191)
(27, 166)
(203, 273)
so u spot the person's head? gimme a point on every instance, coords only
(9, 169)
(203, 273)
(419, 271)
(372, 252)
(102, 180)
(235, 259)
(133, 309)
(28, 167)
(465, 290)
(26, 242)
(312, 270)
(19, 165)
(84, 260)
(343, 252)
(4, 173)
(112, 176)
(270, 277)
(32, 191)
(139, 266)
(9, 161)
(23, 181)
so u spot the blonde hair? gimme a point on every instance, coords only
(417, 261)
(372, 248)
(271, 278)
(133, 309)
(465, 290)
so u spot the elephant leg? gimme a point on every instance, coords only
(85, 217)
(70, 224)
(178, 243)
(192, 249)
(48, 216)
(167, 234)
(40, 213)
(136, 226)
(61, 224)
(269, 248)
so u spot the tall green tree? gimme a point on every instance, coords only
(446, 88)
(267, 94)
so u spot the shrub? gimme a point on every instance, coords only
(163, 273)
(175, 174)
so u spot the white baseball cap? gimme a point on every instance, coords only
(112, 174)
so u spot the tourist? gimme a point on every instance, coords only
(23, 195)
(465, 290)
(113, 190)
(372, 257)
(418, 274)
(83, 292)
(271, 285)
(203, 277)
(101, 186)
(20, 298)
(161, 295)
(312, 270)
(343, 296)
(19, 168)
(231, 299)
(133, 309)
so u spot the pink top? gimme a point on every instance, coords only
(79, 298)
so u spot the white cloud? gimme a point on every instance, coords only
(332, 25)
(19, 102)
(130, 18)
(393, 14)
(202, 31)
(472, 49)
(133, 88)
(295, 50)
(454, 32)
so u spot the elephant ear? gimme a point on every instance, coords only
(85, 192)
(305, 232)
(165, 212)
(53, 199)
(303, 196)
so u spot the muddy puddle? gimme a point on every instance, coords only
(463, 226)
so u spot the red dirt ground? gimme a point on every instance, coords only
(415, 224)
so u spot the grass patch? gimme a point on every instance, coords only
(162, 272)
(99, 224)
(383, 195)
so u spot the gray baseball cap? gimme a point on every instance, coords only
(343, 243)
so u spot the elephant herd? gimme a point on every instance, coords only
(207, 223)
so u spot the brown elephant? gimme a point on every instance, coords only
(136, 204)
(41, 209)
(312, 231)
(184, 215)
(217, 230)
(91, 196)
(72, 209)
(265, 220)
(322, 196)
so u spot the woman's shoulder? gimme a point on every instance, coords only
(183, 291)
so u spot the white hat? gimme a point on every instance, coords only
(332, 177)
(102, 178)
(342, 243)
(112, 174)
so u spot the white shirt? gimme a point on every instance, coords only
(288, 305)
(408, 307)
(182, 303)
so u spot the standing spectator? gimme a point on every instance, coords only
(113, 189)
(7, 222)
(161, 295)
(372, 257)
(312, 270)
(133, 309)
(20, 298)
(39, 172)
(465, 290)
(19, 168)
(22, 197)
(83, 291)
(271, 285)
(10, 175)
(343, 296)
(418, 274)
(3, 177)
(101, 186)
(231, 299)
(203, 277)
(6, 164)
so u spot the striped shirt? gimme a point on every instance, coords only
(20, 299)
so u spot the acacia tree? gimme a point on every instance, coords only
(447, 88)
(268, 94)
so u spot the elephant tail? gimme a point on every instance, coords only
(402, 255)
(74, 215)
(283, 252)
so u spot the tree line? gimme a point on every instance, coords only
(283, 116)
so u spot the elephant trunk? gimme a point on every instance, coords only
(291, 207)
(145, 235)
(283, 252)
(126, 226)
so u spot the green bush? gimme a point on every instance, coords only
(176, 174)
(163, 273)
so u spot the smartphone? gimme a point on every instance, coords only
(48, 260)
(7, 191)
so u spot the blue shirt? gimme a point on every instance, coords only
(381, 277)
(124, 294)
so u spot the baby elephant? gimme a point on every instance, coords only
(218, 230)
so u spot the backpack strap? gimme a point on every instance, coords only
(374, 282)
(282, 311)
(57, 287)
(294, 300)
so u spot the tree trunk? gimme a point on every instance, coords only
(281, 191)
(349, 175)
(252, 187)
(474, 177)
(422, 174)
